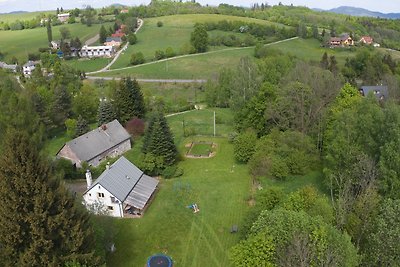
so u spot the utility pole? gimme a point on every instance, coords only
(214, 123)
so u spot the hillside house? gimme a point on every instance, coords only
(55, 44)
(380, 92)
(63, 17)
(368, 40)
(122, 190)
(342, 41)
(335, 42)
(9, 67)
(97, 51)
(124, 11)
(113, 41)
(108, 140)
(28, 67)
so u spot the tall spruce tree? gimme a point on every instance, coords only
(40, 222)
(61, 106)
(106, 112)
(49, 30)
(128, 100)
(82, 126)
(102, 34)
(158, 139)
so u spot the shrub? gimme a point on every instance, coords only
(169, 52)
(159, 54)
(172, 171)
(137, 58)
(65, 169)
(132, 39)
(160, 23)
(244, 146)
(135, 127)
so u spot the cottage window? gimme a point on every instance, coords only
(110, 208)
(100, 194)
(112, 199)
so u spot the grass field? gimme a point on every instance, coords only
(311, 50)
(197, 66)
(20, 43)
(88, 64)
(23, 16)
(174, 33)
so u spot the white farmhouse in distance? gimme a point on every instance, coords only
(63, 17)
(28, 67)
(122, 190)
(97, 51)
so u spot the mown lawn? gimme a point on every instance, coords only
(168, 226)
(174, 33)
(87, 65)
(20, 43)
(197, 66)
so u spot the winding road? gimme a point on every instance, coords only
(140, 24)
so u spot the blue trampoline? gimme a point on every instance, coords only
(159, 260)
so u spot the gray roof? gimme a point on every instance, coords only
(127, 183)
(97, 141)
(7, 66)
(116, 39)
(380, 92)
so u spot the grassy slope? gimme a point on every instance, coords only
(23, 16)
(199, 66)
(311, 50)
(175, 33)
(20, 43)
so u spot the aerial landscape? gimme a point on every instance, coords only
(199, 133)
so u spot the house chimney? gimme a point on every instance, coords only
(88, 178)
(108, 166)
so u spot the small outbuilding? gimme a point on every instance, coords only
(108, 140)
(381, 92)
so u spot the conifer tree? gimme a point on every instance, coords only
(324, 61)
(102, 34)
(40, 223)
(61, 106)
(49, 30)
(128, 100)
(82, 126)
(158, 139)
(106, 112)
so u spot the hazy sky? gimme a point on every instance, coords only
(385, 6)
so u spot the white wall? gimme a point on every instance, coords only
(92, 199)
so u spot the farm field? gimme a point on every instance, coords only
(196, 66)
(174, 33)
(20, 43)
(23, 16)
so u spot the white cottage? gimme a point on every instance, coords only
(121, 190)
(28, 67)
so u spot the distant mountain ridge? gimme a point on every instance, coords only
(15, 12)
(362, 12)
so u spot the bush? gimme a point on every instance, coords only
(169, 52)
(135, 127)
(159, 54)
(172, 171)
(160, 23)
(137, 58)
(65, 169)
(132, 39)
(244, 146)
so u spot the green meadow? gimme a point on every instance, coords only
(20, 43)
(23, 16)
(174, 33)
(196, 66)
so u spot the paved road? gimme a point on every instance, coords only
(92, 40)
(140, 24)
(150, 80)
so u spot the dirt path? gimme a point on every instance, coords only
(140, 24)
(92, 40)
(106, 69)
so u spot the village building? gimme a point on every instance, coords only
(124, 11)
(63, 17)
(113, 41)
(9, 67)
(108, 140)
(55, 44)
(122, 190)
(28, 67)
(343, 41)
(97, 51)
(380, 92)
(368, 40)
